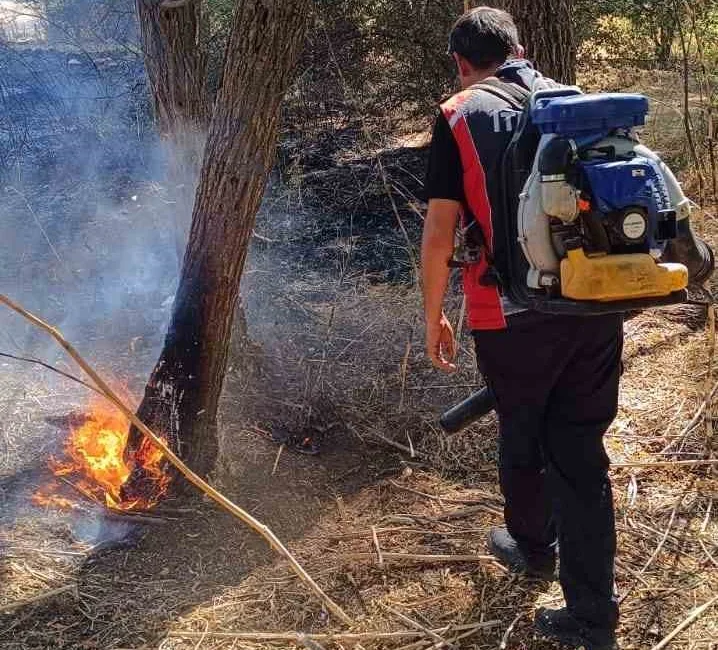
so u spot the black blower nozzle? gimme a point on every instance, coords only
(471, 409)
(691, 251)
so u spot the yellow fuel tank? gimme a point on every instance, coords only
(618, 277)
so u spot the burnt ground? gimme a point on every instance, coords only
(334, 351)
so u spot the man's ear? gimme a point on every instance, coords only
(520, 52)
(465, 68)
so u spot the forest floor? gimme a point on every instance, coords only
(391, 518)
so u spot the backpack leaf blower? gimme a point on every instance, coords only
(593, 221)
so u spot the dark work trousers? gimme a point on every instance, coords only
(555, 380)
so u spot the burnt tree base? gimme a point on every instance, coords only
(182, 397)
(174, 404)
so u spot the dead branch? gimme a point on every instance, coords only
(509, 630)
(347, 637)
(263, 530)
(418, 626)
(36, 599)
(67, 375)
(689, 620)
(437, 497)
(694, 420)
(423, 559)
(668, 463)
(379, 555)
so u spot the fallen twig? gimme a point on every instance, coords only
(452, 515)
(689, 620)
(276, 460)
(425, 559)
(347, 637)
(36, 599)
(402, 227)
(403, 370)
(67, 375)
(264, 531)
(135, 517)
(509, 630)
(437, 497)
(694, 420)
(473, 629)
(463, 513)
(379, 555)
(668, 463)
(310, 644)
(393, 443)
(418, 626)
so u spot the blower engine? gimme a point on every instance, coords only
(601, 221)
(603, 224)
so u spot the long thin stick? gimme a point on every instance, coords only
(694, 420)
(509, 630)
(438, 497)
(417, 626)
(348, 637)
(193, 478)
(689, 620)
(379, 555)
(36, 599)
(423, 559)
(669, 463)
(67, 375)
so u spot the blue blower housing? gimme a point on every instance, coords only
(621, 184)
(581, 115)
(617, 183)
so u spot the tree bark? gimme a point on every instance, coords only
(182, 396)
(547, 31)
(176, 64)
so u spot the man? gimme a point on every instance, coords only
(554, 378)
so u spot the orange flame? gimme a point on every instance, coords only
(95, 463)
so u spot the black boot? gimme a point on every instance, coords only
(507, 551)
(560, 625)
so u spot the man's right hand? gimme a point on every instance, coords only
(441, 344)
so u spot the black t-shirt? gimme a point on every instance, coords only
(444, 174)
(445, 180)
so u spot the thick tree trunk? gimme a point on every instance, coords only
(663, 41)
(176, 64)
(182, 396)
(547, 31)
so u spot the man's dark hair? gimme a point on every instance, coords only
(484, 36)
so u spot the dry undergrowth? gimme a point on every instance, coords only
(404, 552)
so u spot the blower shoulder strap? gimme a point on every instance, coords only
(513, 94)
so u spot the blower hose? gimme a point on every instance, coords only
(465, 413)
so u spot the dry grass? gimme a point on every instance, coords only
(339, 356)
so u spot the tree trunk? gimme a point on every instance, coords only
(176, 64)
(547, 31)
(182, 396)
(663, 45)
